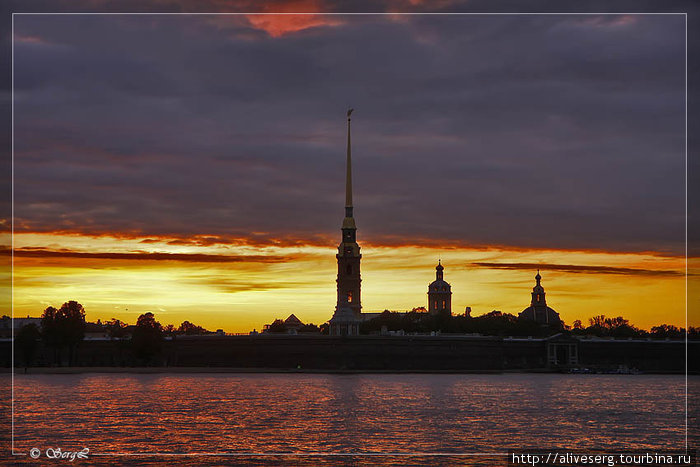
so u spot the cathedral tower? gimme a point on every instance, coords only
(346, 319)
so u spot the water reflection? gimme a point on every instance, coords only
(303, 413)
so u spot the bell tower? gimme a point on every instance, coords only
(346, 319)
(439, 293)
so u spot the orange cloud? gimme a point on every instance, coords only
(279, 25)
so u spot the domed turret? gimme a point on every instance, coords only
(439, 292)
(538, 292)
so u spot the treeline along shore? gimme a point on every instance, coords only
(59, 342)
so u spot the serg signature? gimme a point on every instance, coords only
(58, 453)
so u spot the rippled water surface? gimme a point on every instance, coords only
(302, 413)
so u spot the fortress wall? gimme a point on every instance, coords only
(356, 353)
(650, 356)
(378, 353)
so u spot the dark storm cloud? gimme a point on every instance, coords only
(532, 131)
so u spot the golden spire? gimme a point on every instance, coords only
(348, 175)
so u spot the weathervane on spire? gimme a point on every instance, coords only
(349, 112)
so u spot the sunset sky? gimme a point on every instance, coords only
(192, 166)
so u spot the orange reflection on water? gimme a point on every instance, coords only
(273, 413)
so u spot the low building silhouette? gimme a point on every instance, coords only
(96, 331)
(291, 325)
(7, 324)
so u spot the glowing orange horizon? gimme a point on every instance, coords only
(240, 287)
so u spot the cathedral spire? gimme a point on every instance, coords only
(348, 311)
(348, 175)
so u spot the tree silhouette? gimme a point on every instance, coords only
(50, 333)
(494, 323)
(191, 329)
(27, 342)
(667, 330)
(613, 327)
(117, 331)
(64, 327)
(597, 321)
(147, 338)
(72, 326)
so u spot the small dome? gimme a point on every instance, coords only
(439, 286)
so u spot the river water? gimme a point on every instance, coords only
(263, 418)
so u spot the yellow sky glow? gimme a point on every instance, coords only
(244, 286)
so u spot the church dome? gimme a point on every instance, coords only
(439, 286)
(540, 314)
(538, 310)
